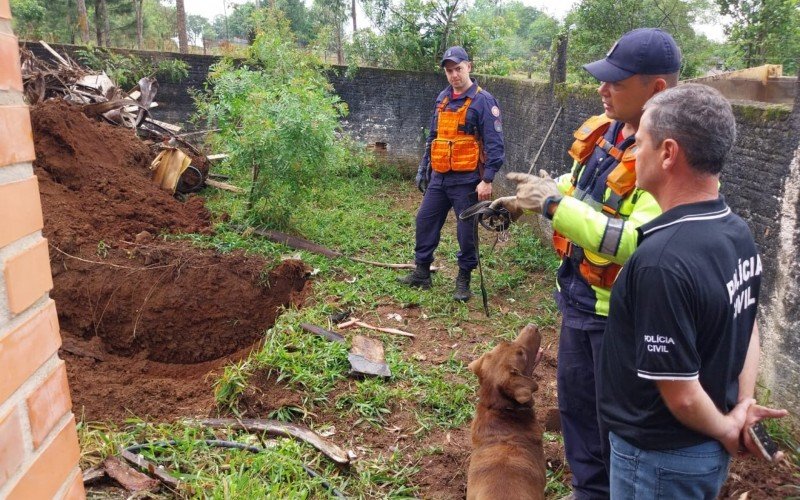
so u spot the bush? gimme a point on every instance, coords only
(278, 118)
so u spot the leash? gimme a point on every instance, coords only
(494, 219)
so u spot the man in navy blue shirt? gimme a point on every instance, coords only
(463, 153)
(680, 353)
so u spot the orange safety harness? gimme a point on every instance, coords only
(454, 149)
(597, 270)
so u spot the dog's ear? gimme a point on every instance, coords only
(475, 366)
(523, 395)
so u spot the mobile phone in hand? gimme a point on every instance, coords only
(767, 446)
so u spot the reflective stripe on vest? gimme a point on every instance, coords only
(621, 181)
(453, 148)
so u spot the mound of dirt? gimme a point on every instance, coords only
(95, 182)
(136, 309)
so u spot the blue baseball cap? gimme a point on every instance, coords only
(456, 54)
(643, 51)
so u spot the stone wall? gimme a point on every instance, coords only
(390, 109)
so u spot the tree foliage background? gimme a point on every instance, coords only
(504, 37)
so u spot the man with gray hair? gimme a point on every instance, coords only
(680, 353)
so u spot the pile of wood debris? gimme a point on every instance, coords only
(180, 167)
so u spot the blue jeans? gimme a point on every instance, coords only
(684, 473)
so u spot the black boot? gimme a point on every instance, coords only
(462, 292)
(419, 277)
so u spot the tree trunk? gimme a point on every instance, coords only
(353, 14)
(183, 41)
(449, 11)
(101, 23)
(339, 51)
(83, 20)
(558, 63)
(139, 24)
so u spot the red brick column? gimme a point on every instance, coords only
(38, 440)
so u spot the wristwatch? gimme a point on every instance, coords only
(550, 205)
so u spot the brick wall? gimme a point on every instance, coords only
(39, 450)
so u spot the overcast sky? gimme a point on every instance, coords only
(555, 8)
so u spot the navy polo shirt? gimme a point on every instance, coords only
(485, 121)
(682, 308)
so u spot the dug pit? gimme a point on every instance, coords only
(144, 317)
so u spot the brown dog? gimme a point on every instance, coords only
(507, 459)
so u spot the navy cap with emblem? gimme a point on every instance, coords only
(456, 54)
(643, 51)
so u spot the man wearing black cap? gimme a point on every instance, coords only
(595, 210)
(463, 153)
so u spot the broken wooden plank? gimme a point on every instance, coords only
(366, 357)
(394, 331)
(164, 125)
(93, 474)
(317, 330)
(219, 156)
(276, 428)
(224, 186)
(54, 53)
(128, 477)
(151, 468)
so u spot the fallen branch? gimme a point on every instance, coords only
(276, 428)
(383, 329)
(348, 323)
(358, 322)
(303, 244)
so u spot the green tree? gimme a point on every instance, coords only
(330, 16)
(299, 18)
(278, 117)
(764, 31)
(413, 34)
(596, 24)
(510, 36)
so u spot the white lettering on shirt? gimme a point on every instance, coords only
(739, 292)
(658, 343)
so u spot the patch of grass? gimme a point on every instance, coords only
(232, 383)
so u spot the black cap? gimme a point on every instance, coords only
(456, 54)
(643, 51)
